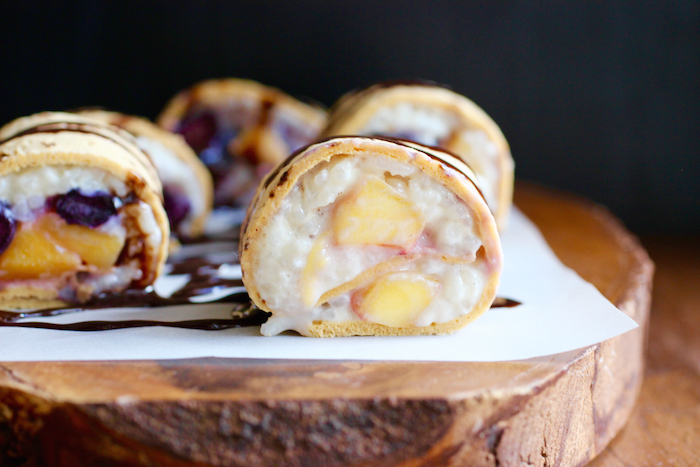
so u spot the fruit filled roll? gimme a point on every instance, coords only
(240, 129)
(187, 186)
(80, 212)
(433, 116)
(367, 236)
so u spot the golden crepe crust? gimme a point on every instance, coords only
(138, 126)
(119, 139)
(29, 299)
(213, 92)
(352, 112)
(106, 150)
(365, 328)
(445, 170)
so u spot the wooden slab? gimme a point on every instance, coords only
(664, 428)
(552, 411)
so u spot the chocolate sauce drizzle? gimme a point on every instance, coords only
(201, 324)
(202, 262)
(112, 134)
(501, 302)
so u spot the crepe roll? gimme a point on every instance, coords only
(240, 129)
(368, 236)
(80, 212)
(187, 186)
(433, 116)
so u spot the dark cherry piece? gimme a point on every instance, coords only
(217, 151)
(8, 227)
(176, 205)
(198, 131)
(87, 210)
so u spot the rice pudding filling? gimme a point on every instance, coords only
(371, 235)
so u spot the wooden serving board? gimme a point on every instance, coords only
(553, 411)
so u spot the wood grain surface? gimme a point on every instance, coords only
(664, 429)
(554, 411)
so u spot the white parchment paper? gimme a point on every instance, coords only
(560, 312)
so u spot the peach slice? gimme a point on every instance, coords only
(95, 247)
(316, 261)
(260, 145)
(376, 214)
(33, 255)
(395, 299)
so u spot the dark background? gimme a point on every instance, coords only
(596, 98)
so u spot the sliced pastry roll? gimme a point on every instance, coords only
(240, 129)
(80, 212)
(187, 186)
(366, 236)
(433, 116)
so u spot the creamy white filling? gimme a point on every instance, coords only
(174, 172)
(432, 126)
(32, 186)
(117, 279)
(306, 214)
(425, 125)
(481, 154)
(149, 228)
(462, 285)
(26, 209)
(113, 226)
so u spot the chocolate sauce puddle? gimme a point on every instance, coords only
(501, 302)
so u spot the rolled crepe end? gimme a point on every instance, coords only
(440, 167)
(240, 129)
(51, 142)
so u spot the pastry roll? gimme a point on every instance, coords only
(81, 212)
(187, 185)
(241, 130)
(433, 116)
(367, 236)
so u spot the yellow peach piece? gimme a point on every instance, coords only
(376, 214)
(396, 299)
(260, 145)
(316, 261)
(96, 248)
(33, 255)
